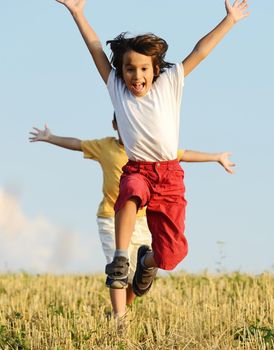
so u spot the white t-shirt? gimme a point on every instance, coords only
(149, 125)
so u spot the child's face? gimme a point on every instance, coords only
(138, 72)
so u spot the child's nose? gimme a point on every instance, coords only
(138, 74)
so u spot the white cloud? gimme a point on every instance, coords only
(36, 245)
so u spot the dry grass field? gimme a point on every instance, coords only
(182, 311)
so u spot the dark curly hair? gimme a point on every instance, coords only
(146, 44)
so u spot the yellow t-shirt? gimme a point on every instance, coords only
(111, 155)
(180, 153)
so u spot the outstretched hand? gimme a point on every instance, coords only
(237, 11)
(73, 5)
(40, 135)
(225, 162)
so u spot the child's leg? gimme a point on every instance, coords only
(130, 295)
(118, 299)
(166, 219)
(125, 222)
(117, 270)
(122, 297)
(165, 215)
(106, 230)
(167, 227)
(133, 193)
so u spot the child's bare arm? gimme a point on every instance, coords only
(235, 13)
(46, 136)
(76, 8)
(222, 158)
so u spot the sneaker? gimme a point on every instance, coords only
(117, 272)
(143, 277)
(120, 284)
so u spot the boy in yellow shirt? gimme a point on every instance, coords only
(109, 152)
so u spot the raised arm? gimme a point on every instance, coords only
(194, 156)
(235, 13)
(76, 8)
(46, 136)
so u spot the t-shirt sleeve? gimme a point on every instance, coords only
(115, 88)
(180, 153)
(176, 78)
(91, 149)
(111, 82)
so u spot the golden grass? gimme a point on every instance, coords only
(181, 312)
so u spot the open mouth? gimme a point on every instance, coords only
(138, 88)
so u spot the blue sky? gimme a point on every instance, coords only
(49, 196)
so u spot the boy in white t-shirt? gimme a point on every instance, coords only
(110, 153)
(146, 94)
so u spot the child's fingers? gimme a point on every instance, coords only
(246, 14)
(229, 167)
(243, 6)
(227, 4)
(229, 170)
(236, 3)
(36, 129)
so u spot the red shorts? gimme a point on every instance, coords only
(160, 187)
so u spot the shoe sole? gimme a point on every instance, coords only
(116, 284)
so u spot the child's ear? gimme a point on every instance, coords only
(157, 71)
(114, 125)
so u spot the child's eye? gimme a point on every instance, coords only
(144, 69)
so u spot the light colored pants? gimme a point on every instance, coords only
(141, 235)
